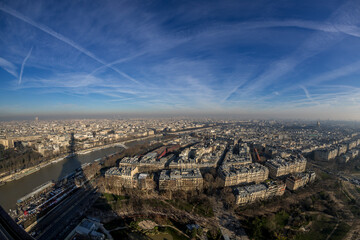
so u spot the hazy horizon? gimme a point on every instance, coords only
(163, 115)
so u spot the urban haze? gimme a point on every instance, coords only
(166, 120)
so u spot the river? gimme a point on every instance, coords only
(12, 191)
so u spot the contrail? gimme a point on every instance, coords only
(8, 66)
(61, 38)
(117, 61)
(307, 94)
(23, 65)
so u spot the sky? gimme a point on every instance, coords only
(276, 59)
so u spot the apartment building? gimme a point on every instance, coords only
(279, 166)
(255, 192)
(234, 175)
(297, 180)
(184, 179)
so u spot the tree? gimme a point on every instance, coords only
(219, 182)
(228, 197)
(308, 203)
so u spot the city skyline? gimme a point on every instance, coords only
(251, 59)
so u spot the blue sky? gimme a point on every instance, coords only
(293, 59)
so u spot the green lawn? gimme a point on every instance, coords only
(340, 232)
(112, 197)
(324, 176)
(172, 232)
(156, 203)
(281, 219)
(200, 209)
(164, 233)
(181, 205)
(322, 228)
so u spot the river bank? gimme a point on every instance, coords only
(14, 190)
(33, 169)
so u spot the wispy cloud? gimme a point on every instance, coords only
(317, 43)
(121, 60)
(8, 66)
(23, 65)
(307, 94)
(185, 57)
(336, 75)
(328, 26)
(62, 38)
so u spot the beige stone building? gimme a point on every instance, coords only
(298, 180)
(7, 143)
(235, 175)
(255, 192)
(129, 177)
(185, 179)
(279, 166)
(238, 155)
(326, 154)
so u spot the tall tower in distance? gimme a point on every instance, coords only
(36, 119)
(318, 124)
